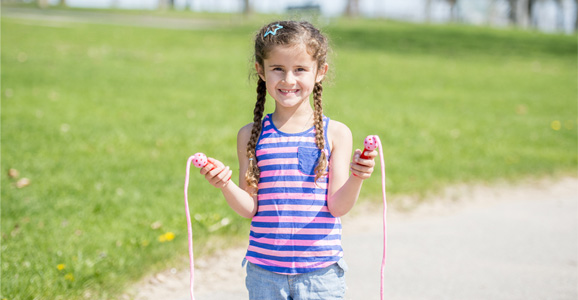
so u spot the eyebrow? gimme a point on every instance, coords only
(297, 66)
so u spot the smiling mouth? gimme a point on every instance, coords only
(288, 91)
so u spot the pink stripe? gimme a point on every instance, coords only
(308, 196)
(292, 184)
(287, 139)
(269, 131)
(291, 219)
(318, 231)
(277, 150)
(285, 207)
(294, 253)
(266, 123)
(281, 242)
(283, 173)
(278, 161)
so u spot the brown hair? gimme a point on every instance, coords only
(316, 44)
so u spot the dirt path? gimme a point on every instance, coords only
(499, 242)
(58, 17)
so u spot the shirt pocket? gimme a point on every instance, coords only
(308, 158)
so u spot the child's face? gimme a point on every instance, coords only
(290, 74)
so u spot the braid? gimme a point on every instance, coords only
(252, 175)
(319, 134)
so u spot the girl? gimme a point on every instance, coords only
(293, 172)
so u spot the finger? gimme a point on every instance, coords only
(361, 171)
(214, 173)
(227, 179)
(221, 176)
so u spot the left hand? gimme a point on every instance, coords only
(363, 168)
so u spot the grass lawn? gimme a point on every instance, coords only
(101, 120)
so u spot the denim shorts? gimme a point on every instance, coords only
(325, 284)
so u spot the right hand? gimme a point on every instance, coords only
(216, 173)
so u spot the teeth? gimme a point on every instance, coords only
(288, 91)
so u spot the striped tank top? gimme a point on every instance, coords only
(293, 231)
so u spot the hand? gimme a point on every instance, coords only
(217, 173)
(363, 168)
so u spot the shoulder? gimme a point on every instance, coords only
(245, 132)
(338, 135)
(337, 131)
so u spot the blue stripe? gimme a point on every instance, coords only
(294, 213)
(292, 190)
(293, 271)
(276, 155)
(293, 202)
(295, 225)
(278, 167)
(291, 258)
(290, 178)
(294, 248)
(294, 237)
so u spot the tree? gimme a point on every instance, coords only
(352, 8)
(247, 7)
(166, 4)
(453, 10)
(427, 8)
(43, 4)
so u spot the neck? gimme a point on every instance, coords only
(293, 121)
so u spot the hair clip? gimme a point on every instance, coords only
(273, 32)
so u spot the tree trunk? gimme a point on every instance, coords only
(512, 17)
(491, 17)
(453, 10)
(352, 8)
(523, 13)
(247, 7)
(427, 10)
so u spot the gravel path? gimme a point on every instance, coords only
(499, 242)
(57, 17)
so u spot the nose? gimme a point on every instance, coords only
(289, 77)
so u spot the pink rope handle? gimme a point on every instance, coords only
(189, 227)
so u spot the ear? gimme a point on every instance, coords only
(260, 71)
(321, 72)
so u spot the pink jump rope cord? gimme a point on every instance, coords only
(200, 160)
(371, 143)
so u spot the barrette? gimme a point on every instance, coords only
(273, 32)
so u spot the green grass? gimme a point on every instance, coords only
(101, 119)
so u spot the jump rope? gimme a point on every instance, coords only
(370, 143)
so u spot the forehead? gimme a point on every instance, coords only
(289, 55)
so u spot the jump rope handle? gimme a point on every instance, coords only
(371, 143)
(200, 160)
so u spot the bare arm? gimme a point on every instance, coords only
(344, 188)
(240, 198)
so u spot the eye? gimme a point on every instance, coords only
(301, 70)
(277, 69)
